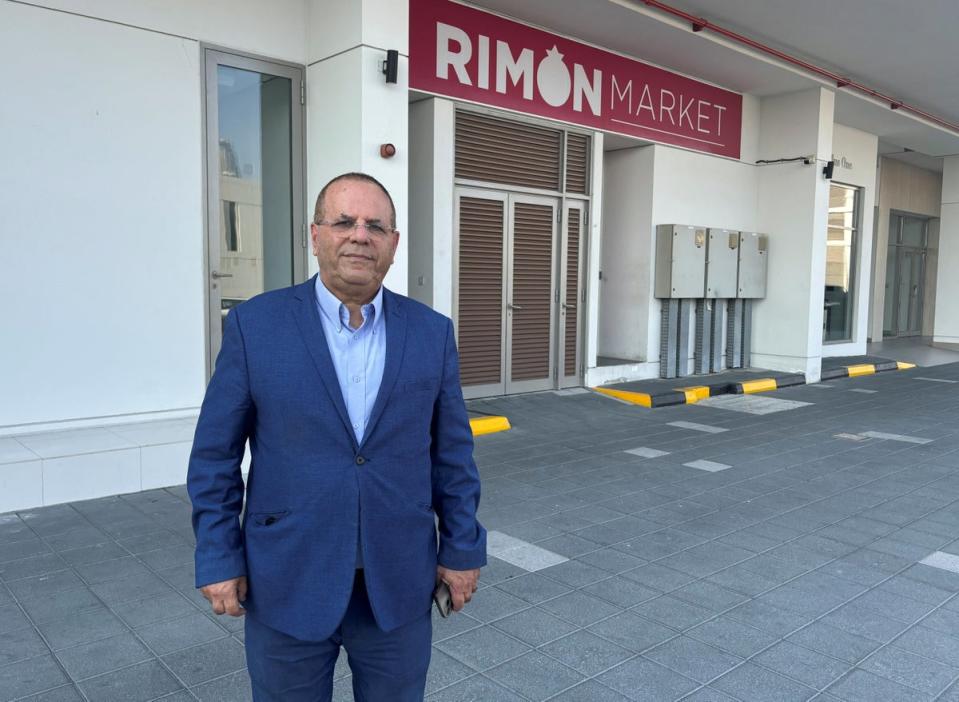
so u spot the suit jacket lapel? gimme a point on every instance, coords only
(308, 322)
(395, 346)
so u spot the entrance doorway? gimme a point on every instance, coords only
(519, 291)
(905, 276)
(256, 229)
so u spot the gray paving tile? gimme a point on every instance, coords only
(834, 642)
(865, 622)
(611, 560)
(30, 676)
(911, 670)
(535, 676)
(708, 694)
(455, 624)
(942, 620)
(12, 618)
(490, 604)
(586, 652)
(773, 620)
(589, 691)
(474, 689)
(20, 644)
(24, 548)
(646, 681)
(693, 658)
(65, 693)
(533, 626)
(234, 687)
(932, 644)
(745, 581)
(533, 588)
(802, 664)
(579, 608)
(207, 661)
(658, 577)
(732, 636)
(156, 608)
(102, 656)
(96, 553)
(115, 569)
(45, 608)
(632, 631)
(482, 648)
(752, 683)
(863, 686)
(89, 625)
(45, 585)
(28, 567)
(673, 612)
(175, 634)
(709, 595)
(621, 592)
(575, 573)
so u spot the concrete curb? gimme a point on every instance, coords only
(489, 425)
(693, 394)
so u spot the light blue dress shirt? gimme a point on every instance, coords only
(358, 356)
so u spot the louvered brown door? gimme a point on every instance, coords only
(530, 305)
(480, 307)
(571, 311)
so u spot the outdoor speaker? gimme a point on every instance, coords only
(391, 64)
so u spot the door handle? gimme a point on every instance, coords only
(216, 275)
(568, 306)
(511, 306)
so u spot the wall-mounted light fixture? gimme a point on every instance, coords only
(391, 64)
(827, 169)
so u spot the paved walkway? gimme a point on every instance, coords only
(760, 548)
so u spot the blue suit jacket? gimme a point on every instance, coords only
(310, 481)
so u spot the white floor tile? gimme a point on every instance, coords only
(751, 404)
(163, 466)
(940, 559)
(531, 557)
(699, 427)
(56, 444)
(21, 485)
(91, 475)
(168, 431)
(710, 466)
(936, 380)
(12, 451)
(646, 452)
(896, 437)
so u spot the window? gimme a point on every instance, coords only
(841, 245)
(232, 224)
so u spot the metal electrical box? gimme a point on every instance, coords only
(722, 263)
(753, 255)
(680, 261)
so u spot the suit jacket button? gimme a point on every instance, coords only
(360, 460)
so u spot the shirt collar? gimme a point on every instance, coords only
(336, 311)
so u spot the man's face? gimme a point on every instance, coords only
(354, 259)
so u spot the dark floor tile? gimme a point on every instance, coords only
(579, 608)
(586, 653)
(12, 618)
(482, 648)
(533, 588)
(575, 573)
(103, 656)
(533, 626)
(803, 664)
(911, 670)
(621, 592)
(492, 603)
(642, 679)
(30, 676)
(175, 634)
(862, 686)
(631, 631)
(732, 636)
(474, 689)
(673, 612)
(66, 603)
(932, 644)
(89, 625)
(769, 618)
(207, 661)
(444, 671)
(751, 683)
(234, 687)
(535, 676)
(834, 642)
(693, 658)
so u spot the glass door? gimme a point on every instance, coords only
(905, 276)
(256, 228)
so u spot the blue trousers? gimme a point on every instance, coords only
(387, 666)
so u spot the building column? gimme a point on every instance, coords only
(946, 327)
(351, 110)
(793, 209)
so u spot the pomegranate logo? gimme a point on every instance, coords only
(552, 79)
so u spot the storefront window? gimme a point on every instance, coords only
(841, 243)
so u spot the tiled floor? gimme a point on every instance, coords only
(792, 574)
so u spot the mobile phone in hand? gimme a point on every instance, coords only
(443, 599)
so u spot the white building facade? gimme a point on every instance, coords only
(159, 164)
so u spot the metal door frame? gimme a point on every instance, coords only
(214, 56)
(577, 379)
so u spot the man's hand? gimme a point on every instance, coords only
(225, 597)
(462, 584)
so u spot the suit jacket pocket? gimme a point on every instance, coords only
(421, 385)
(267, 519)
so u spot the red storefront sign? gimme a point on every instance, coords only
(461, 52)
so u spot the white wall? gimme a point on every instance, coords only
(947, 294)
(855, 153)
(793, 210)
(101, 277)
(274, 29)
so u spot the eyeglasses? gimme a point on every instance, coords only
(348, 226)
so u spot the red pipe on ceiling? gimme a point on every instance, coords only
(699, 24)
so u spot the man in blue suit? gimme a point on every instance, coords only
(349, 397)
